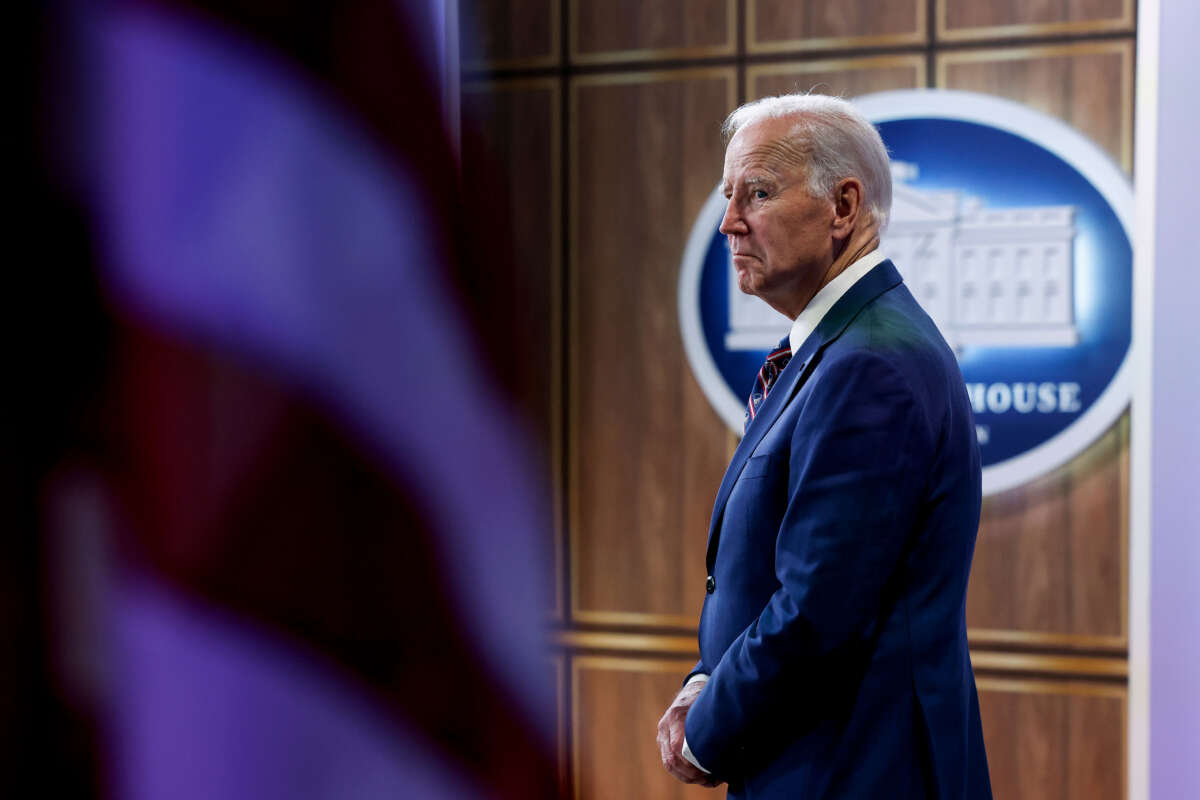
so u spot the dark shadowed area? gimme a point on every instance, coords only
(275, 524)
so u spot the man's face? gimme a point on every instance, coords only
(779, 235)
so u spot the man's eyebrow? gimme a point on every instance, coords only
(750, 180)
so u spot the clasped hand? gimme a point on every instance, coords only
(670, 737)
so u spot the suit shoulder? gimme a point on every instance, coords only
(895, 329)
(895, 326)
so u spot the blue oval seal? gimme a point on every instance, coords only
(1014, 233)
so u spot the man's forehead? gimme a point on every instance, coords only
(764, 145)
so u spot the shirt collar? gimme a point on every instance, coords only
(830, 293)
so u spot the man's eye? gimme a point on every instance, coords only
(760, 194)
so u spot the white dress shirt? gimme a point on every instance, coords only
(802, 327)
(808, 319)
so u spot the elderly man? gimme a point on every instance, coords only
(833, 643)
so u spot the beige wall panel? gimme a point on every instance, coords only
(1054, 740)
(1021, 567)
(558, 675)
(630, 30)
(647, 451)
(1089, 86)
(775, 25)
(1098, 530)
(847, 77)
(519, 133)
(617, 706)
(1050, 555)
(972, 19)
(510, 33)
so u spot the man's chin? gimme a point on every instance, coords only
(746, 283)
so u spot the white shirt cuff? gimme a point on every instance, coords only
(687, 751)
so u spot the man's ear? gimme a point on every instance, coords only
(847, 206)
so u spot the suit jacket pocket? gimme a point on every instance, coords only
(757, 466)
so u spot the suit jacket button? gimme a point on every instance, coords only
(710, 585)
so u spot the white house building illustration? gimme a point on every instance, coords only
(987, 277)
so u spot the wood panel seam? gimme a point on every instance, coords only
(985, 661)
(917, 36)
(625, 56)
(550, 59)
(1124, 23)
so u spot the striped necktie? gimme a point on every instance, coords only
(777, 359)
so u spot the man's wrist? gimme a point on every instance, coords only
(687, 753)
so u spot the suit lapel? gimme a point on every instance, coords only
(880, 279)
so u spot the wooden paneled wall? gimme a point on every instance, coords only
(605, 114)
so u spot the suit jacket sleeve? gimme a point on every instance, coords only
(860, 455)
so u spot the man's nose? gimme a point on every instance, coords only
(732, 223)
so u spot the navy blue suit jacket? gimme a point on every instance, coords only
(840, 544)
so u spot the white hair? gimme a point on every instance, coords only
(837, 140)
